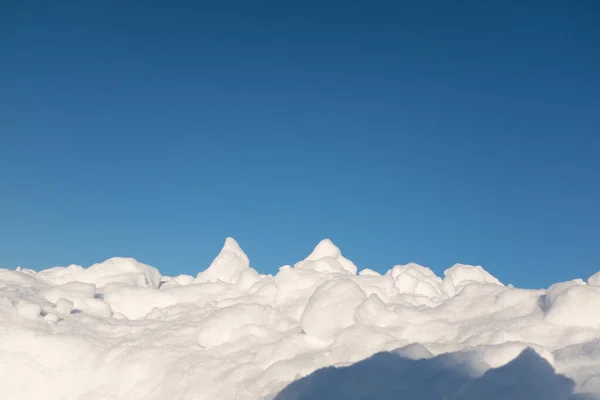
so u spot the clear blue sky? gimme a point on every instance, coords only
(427, 131)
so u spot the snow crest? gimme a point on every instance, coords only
(120, 330)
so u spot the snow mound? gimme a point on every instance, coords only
(126, 271)
(315, 330)
(29, 310)
(331, 308)
(327, 257)
(227, 266)
(594, 280)
(573, 304)
(460, 275)
(417, 280)
(368, 272)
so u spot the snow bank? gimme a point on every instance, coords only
(318, 330)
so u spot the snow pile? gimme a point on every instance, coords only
(319, 329)
(228, 266)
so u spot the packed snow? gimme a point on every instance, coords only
(320, 329)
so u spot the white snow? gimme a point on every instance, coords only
(228, 266)
(315, 330)
(594, 279)
(125, 271)
(331, 308)
(327, 257)
(29, 310)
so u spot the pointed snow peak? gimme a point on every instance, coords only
(231, 252)
(228, 265)
(325, 248)
(232, 246)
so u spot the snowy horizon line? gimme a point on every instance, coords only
(231, 250)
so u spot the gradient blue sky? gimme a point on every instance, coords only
(427, 131)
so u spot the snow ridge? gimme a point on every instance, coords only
(120, 330)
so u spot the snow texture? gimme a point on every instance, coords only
(319, 329)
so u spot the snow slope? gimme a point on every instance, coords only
(316, 330)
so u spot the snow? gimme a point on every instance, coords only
(228, 266)
(327, 257)
(315, 330)
(125, 271)
(64, 307)
(331, 308)
(594, 280)
(573, 304)
(29, 310)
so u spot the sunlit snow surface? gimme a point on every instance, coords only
(316, 330)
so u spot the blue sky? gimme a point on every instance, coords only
(432, 131)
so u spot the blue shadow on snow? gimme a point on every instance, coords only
(389, 376)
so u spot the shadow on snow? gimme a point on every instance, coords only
(387, 376)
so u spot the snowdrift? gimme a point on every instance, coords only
(320, 329)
